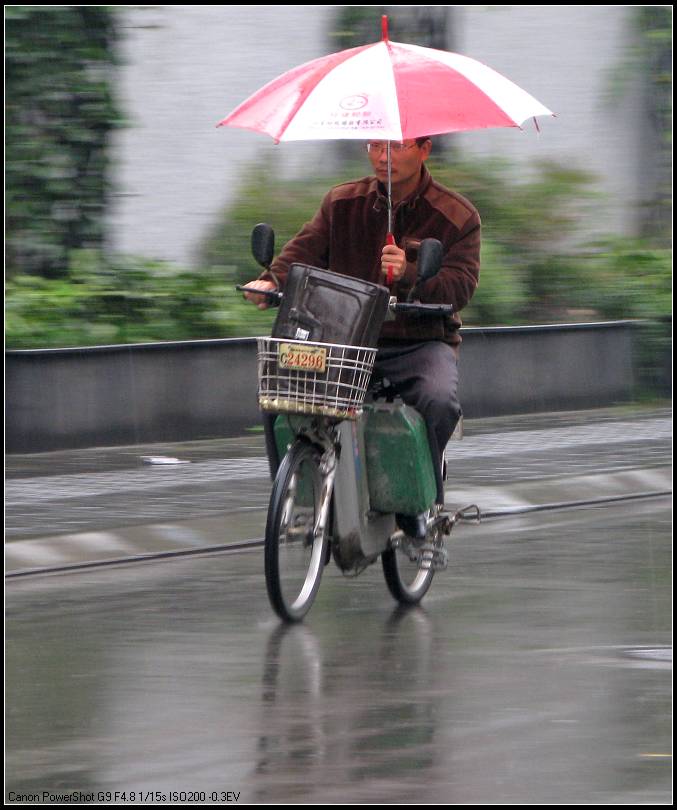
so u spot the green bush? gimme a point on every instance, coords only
(60, 112)
(503, 294)
(628, 278)
(126, 300)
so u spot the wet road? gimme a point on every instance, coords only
(97, 504)
(537, 671)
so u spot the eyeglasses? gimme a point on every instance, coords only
(378, 146)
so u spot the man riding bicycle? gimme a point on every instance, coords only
(348, 235)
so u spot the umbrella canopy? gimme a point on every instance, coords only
(385, 91)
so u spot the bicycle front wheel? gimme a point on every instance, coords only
(295, 551)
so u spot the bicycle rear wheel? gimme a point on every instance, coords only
(294, 555)
(405, 580)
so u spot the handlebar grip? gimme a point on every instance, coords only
(275, 295)
(423, 310)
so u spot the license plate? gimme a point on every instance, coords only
(297, 357)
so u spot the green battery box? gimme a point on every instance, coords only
(399, 468)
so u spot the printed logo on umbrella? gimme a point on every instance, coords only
(355, 102)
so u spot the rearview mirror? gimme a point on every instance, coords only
(429, 259)
(263, 244)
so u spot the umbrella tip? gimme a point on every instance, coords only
(384, 27)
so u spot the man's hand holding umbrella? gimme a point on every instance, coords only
(393, 263)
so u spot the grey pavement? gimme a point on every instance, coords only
(72, 507)
(538, 670)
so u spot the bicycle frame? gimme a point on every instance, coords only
(360, 533)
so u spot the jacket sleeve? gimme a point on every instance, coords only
(309, 246)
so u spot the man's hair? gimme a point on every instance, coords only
(420, 141)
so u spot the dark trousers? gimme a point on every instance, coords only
(425, 375)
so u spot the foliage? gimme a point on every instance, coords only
(655, 27)
(536, 266)
(59, 113)
(529, 229)
(503, 294)
(355, 26)
(629, 278)
(647, 63)
(361, 25)
(125, 300)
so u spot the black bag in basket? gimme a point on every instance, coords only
(320, 306)
(327, 307)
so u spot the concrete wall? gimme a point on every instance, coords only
(114, 395)
(508, 370)
(183, 69)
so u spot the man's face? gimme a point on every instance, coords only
(405, 163)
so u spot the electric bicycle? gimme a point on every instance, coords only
(351, 460)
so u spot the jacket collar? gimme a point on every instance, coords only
(409, 202)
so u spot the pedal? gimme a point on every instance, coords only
(412, 549)
(434, 557)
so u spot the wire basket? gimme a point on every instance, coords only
(325, 379)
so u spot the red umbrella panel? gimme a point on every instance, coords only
(385, 91)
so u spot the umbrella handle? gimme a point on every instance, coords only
(390, 240)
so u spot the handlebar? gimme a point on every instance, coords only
(413, 310)
(275, 295)
(421, 310)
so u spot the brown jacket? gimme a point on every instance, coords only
(348, 233)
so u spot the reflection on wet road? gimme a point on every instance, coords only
(538, 670)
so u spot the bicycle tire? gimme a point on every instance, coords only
(294, 557)
(408, 588)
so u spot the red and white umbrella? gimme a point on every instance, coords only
(385, 91)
